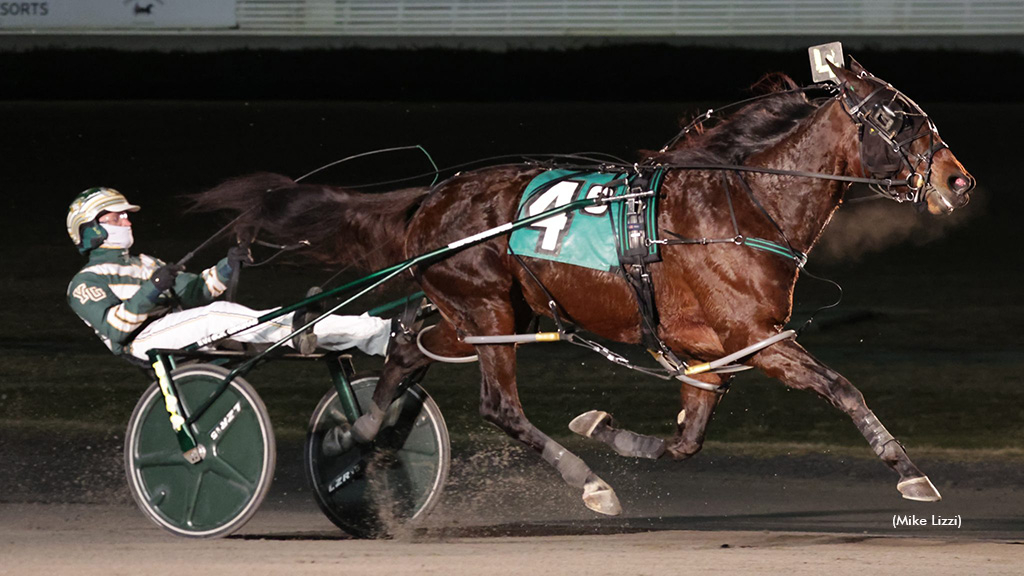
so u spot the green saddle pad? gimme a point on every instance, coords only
(591, 237)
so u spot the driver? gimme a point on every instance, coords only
(135, 303)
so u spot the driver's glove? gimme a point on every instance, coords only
(238, 255)
(164, 276)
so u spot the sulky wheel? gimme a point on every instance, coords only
(367, 491)
(219, 494)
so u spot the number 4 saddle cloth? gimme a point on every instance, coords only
(602, 236)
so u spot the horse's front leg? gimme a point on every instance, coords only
(795, 367)
(600, 426)
(691, 423)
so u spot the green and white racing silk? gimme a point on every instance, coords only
(114, 296)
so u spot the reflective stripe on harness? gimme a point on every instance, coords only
(681, 372)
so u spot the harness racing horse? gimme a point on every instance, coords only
(776, 168)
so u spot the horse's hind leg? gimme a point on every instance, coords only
(403, 359)
(499, 404)
(789, 362)
(691, 424)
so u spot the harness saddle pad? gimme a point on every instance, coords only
(595, 237)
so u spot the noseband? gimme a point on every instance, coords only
(888, 123)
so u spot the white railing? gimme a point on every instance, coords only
(521, 18)
(618, 18)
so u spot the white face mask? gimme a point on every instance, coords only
(118, 237)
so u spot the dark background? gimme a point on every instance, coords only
(609, 73)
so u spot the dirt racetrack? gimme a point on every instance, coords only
(111, 547)
(725, 513)
(109, 540)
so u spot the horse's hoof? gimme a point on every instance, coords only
(920, 489)
(337, 441)
(365, 428)
(599, 497)
(585, 423)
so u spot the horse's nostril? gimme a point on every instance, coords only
(961, 183)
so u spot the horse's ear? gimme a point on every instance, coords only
(841, 73)
(856, 68)
(851, 78)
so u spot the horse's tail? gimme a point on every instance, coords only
(343, 228)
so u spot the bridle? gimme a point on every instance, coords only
(889, 123)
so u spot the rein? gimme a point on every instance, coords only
(888, 182)
(740, 240)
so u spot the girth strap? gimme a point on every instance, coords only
(639, 278)
(638, 242)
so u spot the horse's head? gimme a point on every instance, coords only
(898, 141)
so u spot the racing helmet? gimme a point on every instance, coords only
(84, 212)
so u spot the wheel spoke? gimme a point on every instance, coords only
(225, 470)
(428, 452)
(162, 458)
(193, 498)
(336, 414)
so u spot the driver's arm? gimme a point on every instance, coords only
(205, 287)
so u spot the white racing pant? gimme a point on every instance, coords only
(179, 329)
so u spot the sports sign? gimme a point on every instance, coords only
(820, 56)
(105, 14)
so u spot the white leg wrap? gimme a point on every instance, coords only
(877, 435)
(573, 470)
(367, 426)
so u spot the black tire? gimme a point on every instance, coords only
(218, 495)
(397, 480)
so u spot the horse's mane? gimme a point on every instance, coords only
(342, 227)
(751, 129)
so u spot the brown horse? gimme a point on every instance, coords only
(712, 299)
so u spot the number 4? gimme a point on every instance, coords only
(552, 229)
